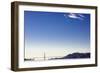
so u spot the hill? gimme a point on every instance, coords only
(75, 56)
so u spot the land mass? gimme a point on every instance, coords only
(75, 56)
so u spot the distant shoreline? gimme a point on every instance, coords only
(75, 55)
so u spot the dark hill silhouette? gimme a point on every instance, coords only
(78, 55)
(74, 56)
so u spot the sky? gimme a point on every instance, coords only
(55, 33)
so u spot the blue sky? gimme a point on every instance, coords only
(56, 33)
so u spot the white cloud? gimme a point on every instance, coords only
(81, 15)
(74, 16)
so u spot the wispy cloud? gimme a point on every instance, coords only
(74, 16)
